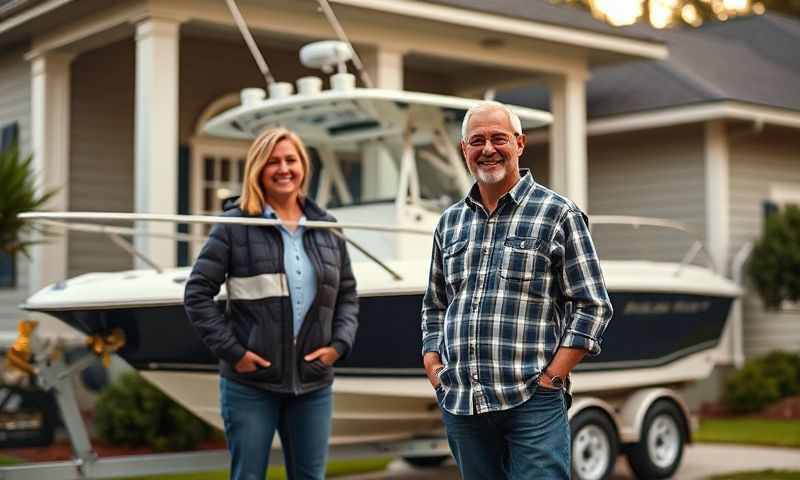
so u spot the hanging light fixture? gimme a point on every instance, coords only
(617, 12)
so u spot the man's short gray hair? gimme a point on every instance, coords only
(516, 124)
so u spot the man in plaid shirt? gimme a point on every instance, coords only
(516, 299)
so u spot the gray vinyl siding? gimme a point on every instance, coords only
(15, 106)
(653, 173)
(101, 150)
(756, 162)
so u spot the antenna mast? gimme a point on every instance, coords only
(337, 27)
(251, 43)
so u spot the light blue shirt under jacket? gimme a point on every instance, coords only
(300, 272)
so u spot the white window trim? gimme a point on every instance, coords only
(782, 194)
(201, 145)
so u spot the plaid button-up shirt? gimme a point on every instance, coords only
(505, 291)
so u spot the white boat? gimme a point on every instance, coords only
(669, 315)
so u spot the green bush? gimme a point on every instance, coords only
(762, 381)
(774, 266)
(749, 390)
(784, 367)
(134, 413)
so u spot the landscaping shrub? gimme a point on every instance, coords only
(134, 413)
(750, 390)
(762, 381)
(784, 367)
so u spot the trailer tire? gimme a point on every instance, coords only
(659, 451)
(594, 445)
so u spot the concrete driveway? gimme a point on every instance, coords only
(699, 462)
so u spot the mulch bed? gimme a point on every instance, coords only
(788, 408)
(785, 409)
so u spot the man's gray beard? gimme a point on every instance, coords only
(489, 178)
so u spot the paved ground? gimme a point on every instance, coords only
(699, 462)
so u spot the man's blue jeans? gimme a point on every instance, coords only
(251, 416)
(528, 441)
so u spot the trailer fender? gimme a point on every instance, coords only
(631, 416)
(583, 403)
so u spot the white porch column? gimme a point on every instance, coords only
(50, 120)
(717, 193)
(156, 133)
(717, 221)
(385, 67)
(568, 169)
(380, 175)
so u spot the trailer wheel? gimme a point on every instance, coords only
(659, 450)
(594, 446)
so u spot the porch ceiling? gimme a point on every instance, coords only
(456, 76)
(20, 24)
(419, 34)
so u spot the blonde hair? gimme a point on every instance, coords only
(253, 196)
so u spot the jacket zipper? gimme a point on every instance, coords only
(295, 367)
(313, 254)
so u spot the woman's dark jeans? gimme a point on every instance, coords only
(251, 416)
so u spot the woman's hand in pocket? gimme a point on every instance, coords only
(250, 363)
(327, 355)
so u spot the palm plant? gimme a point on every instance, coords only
(18, 193)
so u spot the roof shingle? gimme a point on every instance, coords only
(750, 60)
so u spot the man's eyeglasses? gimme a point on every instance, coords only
(499, 140)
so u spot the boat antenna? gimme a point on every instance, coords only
(251, 43)
(337, 27)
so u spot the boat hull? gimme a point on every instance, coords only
(648, 330)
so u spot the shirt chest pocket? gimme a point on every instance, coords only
(456, 263)
(526, 265)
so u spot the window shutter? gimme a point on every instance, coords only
(8, 267)
(8, 135)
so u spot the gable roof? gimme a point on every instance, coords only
(774, 35)
(747, 60)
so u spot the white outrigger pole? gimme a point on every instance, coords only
(115, 233)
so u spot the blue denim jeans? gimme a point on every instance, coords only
(528, 441)
(251, 416)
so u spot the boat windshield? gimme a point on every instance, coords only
(632, 238)
(352, 179)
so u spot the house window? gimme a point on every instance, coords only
(8, 267)
(8, 270)
(217, 170)
(781, 195)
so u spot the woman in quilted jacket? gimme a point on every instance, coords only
(290, 313)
